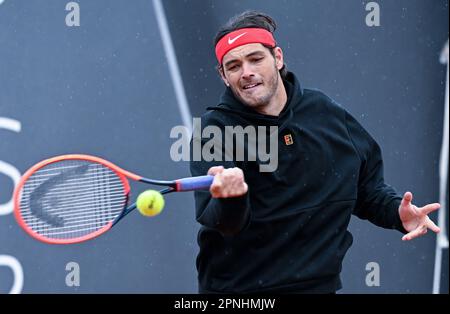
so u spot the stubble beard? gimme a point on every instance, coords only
(264, 100)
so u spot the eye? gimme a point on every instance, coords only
(233, 67)
(256, 60)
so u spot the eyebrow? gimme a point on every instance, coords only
(251, 54)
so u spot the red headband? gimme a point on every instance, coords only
(241, 37)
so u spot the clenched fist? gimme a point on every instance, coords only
(227, 182)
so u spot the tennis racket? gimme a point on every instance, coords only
(74, 198)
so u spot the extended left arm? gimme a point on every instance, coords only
(377, 201)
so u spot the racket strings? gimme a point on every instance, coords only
(71, 198)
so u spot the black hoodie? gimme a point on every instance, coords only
(289, 232)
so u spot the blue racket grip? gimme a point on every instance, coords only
(194, 183)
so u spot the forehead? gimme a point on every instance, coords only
(242, 51)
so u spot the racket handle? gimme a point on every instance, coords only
(194, 183)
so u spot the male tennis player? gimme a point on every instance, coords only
(286, 230)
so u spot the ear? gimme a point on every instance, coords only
(222, 75)
(279, 61)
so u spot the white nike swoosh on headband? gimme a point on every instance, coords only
(230, 41)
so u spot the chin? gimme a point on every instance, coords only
(249, 102)
(258, 102)
(252, 102)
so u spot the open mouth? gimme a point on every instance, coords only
(251, 86)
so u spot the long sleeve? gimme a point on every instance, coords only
(376, 201)
(227, 215)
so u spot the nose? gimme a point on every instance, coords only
(247, 71)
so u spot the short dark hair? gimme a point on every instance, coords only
(250, 19)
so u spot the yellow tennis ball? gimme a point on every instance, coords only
(150, 203)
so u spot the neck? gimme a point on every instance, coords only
(277, 102)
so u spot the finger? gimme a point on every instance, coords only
(214, 190)
(407, 198)
(245, 190)
(236, 190)
(429, 208)
(215, 170)
(419, 231)
(238, 175)
(431, 225)
(232, 176)
(216, 187)
(238, 171)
